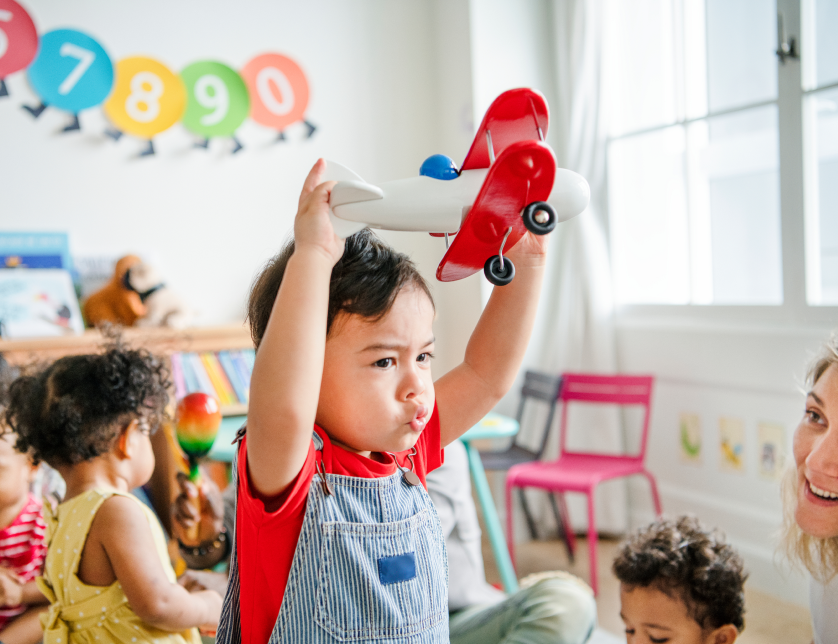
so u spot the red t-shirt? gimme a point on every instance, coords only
(266, 541)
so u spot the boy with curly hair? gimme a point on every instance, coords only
(680, 583)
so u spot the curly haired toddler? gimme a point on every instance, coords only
(107, 573)
(680, 584)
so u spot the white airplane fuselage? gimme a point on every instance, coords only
(424, 204)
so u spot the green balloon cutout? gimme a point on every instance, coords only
(217, 100)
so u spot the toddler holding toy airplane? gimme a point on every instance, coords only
(336, 537)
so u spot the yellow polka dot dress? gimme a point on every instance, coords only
(82, 614)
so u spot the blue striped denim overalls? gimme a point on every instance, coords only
(370, 566)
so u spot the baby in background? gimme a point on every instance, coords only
(22, 537)
(680, 584)
(107, 574)
(22, 548)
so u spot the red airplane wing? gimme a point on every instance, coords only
(516, 115)
(524, 172)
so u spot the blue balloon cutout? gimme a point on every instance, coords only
(72, 71)
(439, 166)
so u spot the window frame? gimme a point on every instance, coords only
(797, 233)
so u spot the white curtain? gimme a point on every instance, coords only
(575, 329)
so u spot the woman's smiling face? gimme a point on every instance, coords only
(816, 459)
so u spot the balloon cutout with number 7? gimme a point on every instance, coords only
(217, 101)
(71, 72)
(18, 40)
(148, 98)
(278, 93)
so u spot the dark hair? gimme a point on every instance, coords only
(72, 410)
(680, 559)
(365, 281)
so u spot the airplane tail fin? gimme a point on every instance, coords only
(516, 115)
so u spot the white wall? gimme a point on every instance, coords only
(209, 219)
(753, 373)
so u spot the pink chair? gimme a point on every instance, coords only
(582, 472)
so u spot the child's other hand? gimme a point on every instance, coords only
(213, 603)
(11, 588)
(312, 227)
(531, 250)
(196, 580)
(203, 506)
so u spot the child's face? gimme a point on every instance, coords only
(16, 471)
(653, 617)
(377, 394)
(137, 446)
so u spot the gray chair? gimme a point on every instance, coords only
(544, 389)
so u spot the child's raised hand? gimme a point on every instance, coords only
(312, 227)
(531, 250)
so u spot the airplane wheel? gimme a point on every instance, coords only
(493, 272)
(539, 217)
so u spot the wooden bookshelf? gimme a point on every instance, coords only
(160, 341)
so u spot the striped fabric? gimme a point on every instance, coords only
(334, 591)
(22, 549)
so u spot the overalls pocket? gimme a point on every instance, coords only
(381, 580)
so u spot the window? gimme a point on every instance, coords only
(820, 85)
(699, 103)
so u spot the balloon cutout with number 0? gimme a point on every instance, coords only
(18, 40)
(71, 72)
(217, 100)
(278, 91)
(148, 98)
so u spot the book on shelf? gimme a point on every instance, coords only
(223, 374)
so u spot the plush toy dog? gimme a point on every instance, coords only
(114, 302)
(163, 306)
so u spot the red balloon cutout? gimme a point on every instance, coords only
(18, 38)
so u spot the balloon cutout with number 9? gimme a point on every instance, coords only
(148, 98)
(278, 90)
(72, 71)
(217, 100)
(18, 40)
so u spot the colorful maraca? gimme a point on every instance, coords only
(196, 426)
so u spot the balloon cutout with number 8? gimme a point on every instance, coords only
(278, 92)
(217, 101)
(148, 98)
(71, 72)
(18, 40)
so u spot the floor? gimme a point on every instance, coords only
(768, 620)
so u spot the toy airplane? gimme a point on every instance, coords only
(508, 184)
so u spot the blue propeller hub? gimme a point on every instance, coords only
(439, 166)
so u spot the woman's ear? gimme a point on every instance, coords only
(124, 445)
(726, 634)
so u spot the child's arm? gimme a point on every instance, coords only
(30, 595)
(496, 347)
(15, 592)
(120, 536)
(285, 385)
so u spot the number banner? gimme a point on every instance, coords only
(72, 71)
(18, 38)
(148, 98)
(217, 99)
(278, 90)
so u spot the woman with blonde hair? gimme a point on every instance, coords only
(811, 494)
